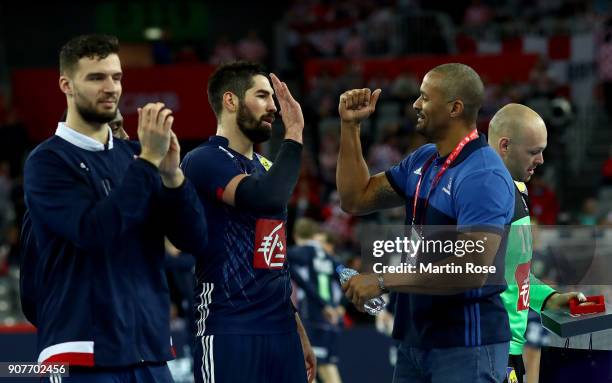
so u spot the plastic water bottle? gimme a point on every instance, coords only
(374, 305)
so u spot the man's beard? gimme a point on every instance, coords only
(431, 132)
(90, 114)
(252, 128)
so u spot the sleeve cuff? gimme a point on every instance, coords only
(546, 300)
(495, 229)
(539, 300)
(292, 142)
(146, 163)
(177, 194)
(146, 170)
(394, 185)
(177, 189)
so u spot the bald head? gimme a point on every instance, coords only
(459, 81)
(518, 134)
(514, 121)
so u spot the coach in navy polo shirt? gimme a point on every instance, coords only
(452, 326)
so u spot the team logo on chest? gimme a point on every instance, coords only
(522, 280)
(447, 188)
(270, 246)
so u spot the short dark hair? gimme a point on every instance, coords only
(91, 46)
(460, 81)
(235, 77)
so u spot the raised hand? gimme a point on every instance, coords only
(290, 110)
(154, 123)
(357, 104)
(171, 174)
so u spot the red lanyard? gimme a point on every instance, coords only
(449, 160)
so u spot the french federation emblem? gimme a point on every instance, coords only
(522, 280)
(270, 246)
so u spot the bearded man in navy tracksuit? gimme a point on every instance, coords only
(99, 209)
(243, 295)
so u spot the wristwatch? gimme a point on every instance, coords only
(381, 283)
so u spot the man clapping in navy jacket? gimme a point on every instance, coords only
(99, 209)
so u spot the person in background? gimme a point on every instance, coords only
(518, 134)
(313, 270)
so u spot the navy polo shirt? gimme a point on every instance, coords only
(475, 193)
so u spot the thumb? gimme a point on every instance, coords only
(345, 286)
(174, 143)
(374, 99)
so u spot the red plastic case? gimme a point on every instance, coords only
(598, 307)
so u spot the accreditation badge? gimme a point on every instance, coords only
(415, 239)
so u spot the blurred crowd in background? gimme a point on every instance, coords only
(573, 187)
